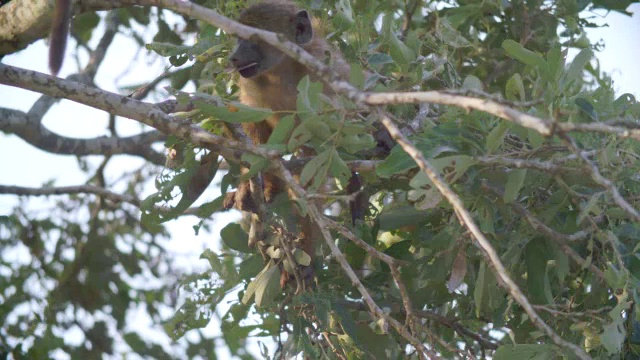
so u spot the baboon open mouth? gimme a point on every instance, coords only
(248, 70)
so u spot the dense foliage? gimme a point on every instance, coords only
(550, 205)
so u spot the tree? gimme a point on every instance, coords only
(508, 205)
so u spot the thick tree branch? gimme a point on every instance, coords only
(444, 98)
(143, 112)
(23, 22)
(66, 190)
(31, 130)
(29, 126)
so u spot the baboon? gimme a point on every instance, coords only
(269, 79)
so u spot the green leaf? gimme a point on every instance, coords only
(253, 285)
(399, 51)
(613, 337)
(348, 324)
(357, 142)
(308, 95)
(339, 168)
(251, 266)
(577, 66)
(459, 163)
(472, 83)
(586, 107)
(614, 277)
(315, 168)
(495, 138)
(180, 78)
(213, 259)
(235, 238)
(317, 126)
(84, 24)
(459, 15)
(186, 318)
(300, 136)
(356, 76)
(301, 338)
(344, 15)
(590, 207)
(302, 258)
(352, 128)
(413, 41)
(400, 216)
(450, 36)
(256, 164)
(167, 49)
(372, 344)
(624, 102)
(479, 290)
(397, 162)
(267, 287)
(518, 52)
(515, 88)
(136, 343)
(563, 268)
(555, 59)
(536, 256)
(378, 59)
(535, 138)
(274, 253)
(234, 112)
(515, 180)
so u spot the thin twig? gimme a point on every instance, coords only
(559, 238)
(69, 190)
(601, 180)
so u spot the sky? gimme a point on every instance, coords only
(25, 165)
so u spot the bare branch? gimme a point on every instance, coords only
(546, 166)
(373, 252)
(455, 325)
(32, 131)
(143, 112)
(67, 190)
(597, 127)
(444, 98)
(23, 22)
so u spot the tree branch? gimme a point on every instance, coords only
(32, 131)
(66, 190)
(112, 103)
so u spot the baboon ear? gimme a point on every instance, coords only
(303, 29)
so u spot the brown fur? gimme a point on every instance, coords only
(276, 89)
(59, 34)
